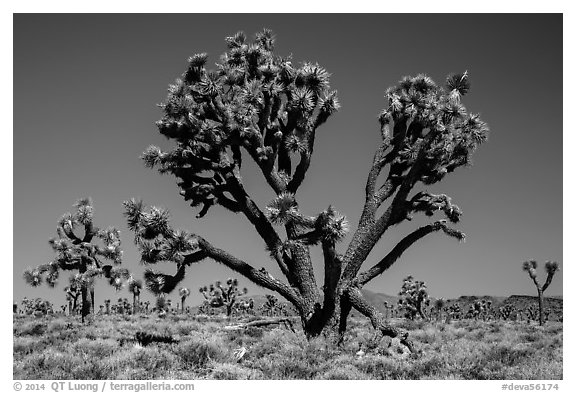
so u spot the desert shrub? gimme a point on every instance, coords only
(508, 355)
(234, 371)
(25, 345)
(33, 328)
(57, 325)
(186, 327)
(98, 348)
(153, 359)
(412, 324)
(48, 364)
(280, 366)
(343, 372)
(197, 352)
(381, 367)
(272, 342)
(428, 335)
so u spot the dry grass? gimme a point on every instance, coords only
(62, 348)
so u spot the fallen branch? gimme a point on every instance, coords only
(263, 322)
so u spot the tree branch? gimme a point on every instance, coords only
(398, 250)
(378, 321)
(303, 165)
(259, 277)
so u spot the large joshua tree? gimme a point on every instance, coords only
(260, 106)
(76, 250)
(551, 269)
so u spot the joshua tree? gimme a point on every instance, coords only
(218, 295)
(551, 269)
(413, 298)
(505, 312)
(135, 287)
(260, 106)
(245, 306)
(160, 302)
(454, 311)
(72, 294)
(438, 306)
(184, 293)
(78, 253)
(271, 306)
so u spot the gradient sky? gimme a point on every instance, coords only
(85, 95)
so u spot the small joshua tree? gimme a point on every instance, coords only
(78, 253)
(438, 306)
(72, 294)
(135, 287)
(413, 298)
(107, 305)
(184, 293)
(271, 306)
(261, 107)
(218, 295)
(245, 306)
(551, 269)
(161, 303)
(505, 311)
(454, 311)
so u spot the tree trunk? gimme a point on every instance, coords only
(92, 298)
(70, 307)
(333, 321)
(183, 301)
(85, 302)
(541, 306)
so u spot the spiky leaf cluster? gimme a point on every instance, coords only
(253, 100)
(158, 242)
(328, 226)
(79, 253)
(551, 267)
(184, 292)
(427, 123)
(430, 204)
(156, 239)
(134, 286)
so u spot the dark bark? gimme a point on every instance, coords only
(541, 306)
(85, 303)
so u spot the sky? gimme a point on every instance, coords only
(86, 89)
